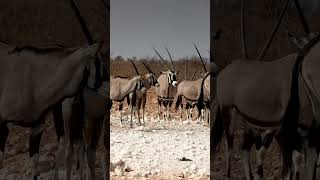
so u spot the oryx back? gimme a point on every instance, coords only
(121, 87)
(32, 81)
(246, 86)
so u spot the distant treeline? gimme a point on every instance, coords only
(122, 66)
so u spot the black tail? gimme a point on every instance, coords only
(178, 102)
(200, 104)
(216, 132)
(288, 137)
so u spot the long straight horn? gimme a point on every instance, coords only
(195, 72)
(135, 68)
(268, 43)
(243, 34)
(147, 68)
(161, 59)
(302, 17)
(204, 66)
(174, 69)
(82, 22)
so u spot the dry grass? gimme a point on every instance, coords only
(122, 67)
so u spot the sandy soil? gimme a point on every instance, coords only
(150, 152)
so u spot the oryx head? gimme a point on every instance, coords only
(171, 74)
(171, 77)
(95, 73)
(139, 85)
(96, 70)
(151, 77)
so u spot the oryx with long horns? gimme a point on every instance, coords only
(148, 81)
(267, 112)
(83, 114)
(190, 91)
(121, 87)
(167, 88)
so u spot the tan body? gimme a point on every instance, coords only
(121, 88)
(188, 91)
(34, 81)
(259, 107)
(166, 92)
(148, 80)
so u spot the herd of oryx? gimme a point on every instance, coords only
(72, 85)
(167, 88)
(278, 99)
(271, 100)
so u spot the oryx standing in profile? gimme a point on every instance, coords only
(121, 87)
(190, 91)
(48, 78)
(167, 88)
(271, 111)
(148, 80)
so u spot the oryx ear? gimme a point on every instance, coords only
(178, 72)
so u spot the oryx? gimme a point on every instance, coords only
(120, 88)
(84, 115)
(190, 91)
(266, 112)
(167, 88)
(309, 129)
(76, 115)
(48, 77)
(148, 80)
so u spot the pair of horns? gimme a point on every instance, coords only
(148, 68)
(174, 69)
(135, 68)
(276, 27)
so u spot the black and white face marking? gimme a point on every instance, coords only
(154, 80)
(172, 78)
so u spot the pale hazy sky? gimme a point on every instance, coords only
(139, 25)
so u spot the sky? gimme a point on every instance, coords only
(138, 26)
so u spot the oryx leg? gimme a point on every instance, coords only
(68, 159)
(190, 111)
(120, 111)
(186, 110)
(92, 136)
(168, 110)
(311, 157)
(59, 126)
(34, 144)
(248, 141)
(144, 102)
(227, 116)
(229, 143)
(181, 112)
(261, 147)
(4, 132)
(164, 105)
(143, 115)
(297, 160)
(159, 106)
(80, 157)
(91, 159)
(131, 113)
